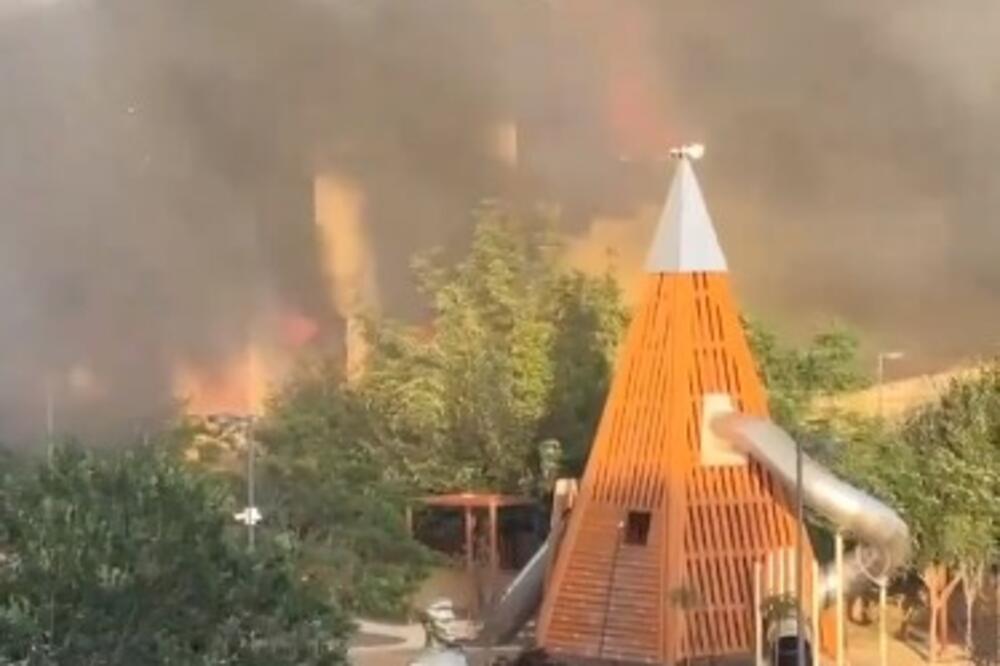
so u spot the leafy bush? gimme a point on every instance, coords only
(126, 559)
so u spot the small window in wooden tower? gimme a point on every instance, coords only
(637, 528)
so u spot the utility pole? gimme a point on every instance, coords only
(883, 581)
(50, 420)
(841, 634)
(800, 648)
(251, 500)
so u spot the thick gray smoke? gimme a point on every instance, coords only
(156, 162)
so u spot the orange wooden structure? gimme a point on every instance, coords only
(658, 558)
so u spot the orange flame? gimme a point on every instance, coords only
(235, 388)
(242, 385)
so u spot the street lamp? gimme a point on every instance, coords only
(880, 380)
(50, 419)
(251, 515)
(882, 581)
(800, 647)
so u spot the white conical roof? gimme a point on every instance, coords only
(685, 240)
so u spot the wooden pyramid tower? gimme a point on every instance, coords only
(657, 562)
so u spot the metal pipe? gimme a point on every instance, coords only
(885, 537)
(50, 420)
(251, 489)
(758, 621)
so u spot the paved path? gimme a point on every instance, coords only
(406, 637)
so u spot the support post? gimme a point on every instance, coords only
(883, 630)
(758, 621)
(782, 555)
(470, 556)
(840, 599)
(816, 610)
(800, 647)
(251, 487)
(494, 541)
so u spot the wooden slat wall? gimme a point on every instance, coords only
(611, 600)
(736, 515)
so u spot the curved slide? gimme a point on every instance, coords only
(520, 600)
(885, 538)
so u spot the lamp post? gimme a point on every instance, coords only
(880, 376)
(50, 420)
(251, 487)
(883, 581)
(800, 648)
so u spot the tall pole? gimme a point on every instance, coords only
(815, 612)
(800, 648)
(883, 582)
(758, 621)
(883, 638)
(839, 549)
(251, 503)
(50, 420)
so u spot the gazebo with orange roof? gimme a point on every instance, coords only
(468, 502)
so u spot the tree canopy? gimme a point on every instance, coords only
(795, 376)
(503, 385)
(127, 558)
(940, 469)
(330, 481)
(518, 351)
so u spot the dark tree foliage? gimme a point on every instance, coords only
(331, 482)
(126, 558)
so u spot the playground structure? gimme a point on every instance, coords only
(684, 524)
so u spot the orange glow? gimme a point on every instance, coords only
(618, 34)
(236, 388)
(345, 246)
(298, 330)
(242, 385)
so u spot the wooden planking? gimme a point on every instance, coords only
(736, 515)
(612, 600)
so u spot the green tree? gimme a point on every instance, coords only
(941, 471)
(126, 558)
(589, 319)
(518, 351)
(796, 376)
(957, 440)
(331, 481)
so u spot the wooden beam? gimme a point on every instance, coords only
(494, 541)
(470, 554)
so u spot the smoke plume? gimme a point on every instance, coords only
(157, 166)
